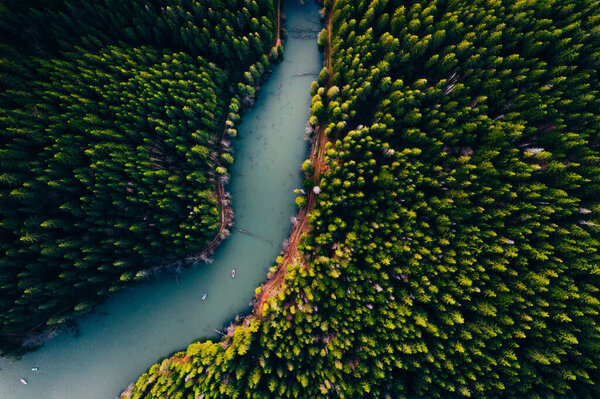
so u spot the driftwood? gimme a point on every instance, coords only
(303, 30)
(304, 74)
(304, 35)
(254, 235)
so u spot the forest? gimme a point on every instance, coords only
(454, 236)
(115, 129)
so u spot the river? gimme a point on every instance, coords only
(135, 327)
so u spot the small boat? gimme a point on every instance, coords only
(35, 369)
(204, 296)
(233, 273)
(23, 381)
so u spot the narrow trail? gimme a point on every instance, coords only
(226, 211)
(317, 157)
(226, 214)
(278, 41)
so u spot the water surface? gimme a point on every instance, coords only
(132, 329)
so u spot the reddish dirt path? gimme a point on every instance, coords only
(226, 211)
(278, 41)
(226, 215)
(317, 157)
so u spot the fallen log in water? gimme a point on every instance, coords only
(304, 74)
(254, 235)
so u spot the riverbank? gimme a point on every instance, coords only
(139, 325)
(290, 253)
(41, 333)
(317, 156)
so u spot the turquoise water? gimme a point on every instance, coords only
(132, 329)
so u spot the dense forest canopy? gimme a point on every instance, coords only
(453, 249)
(113, 115)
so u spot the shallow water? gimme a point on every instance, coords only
(131, 330)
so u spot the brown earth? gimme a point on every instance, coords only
(317, 157)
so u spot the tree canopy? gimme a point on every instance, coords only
(453, 249)
(115, 129)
